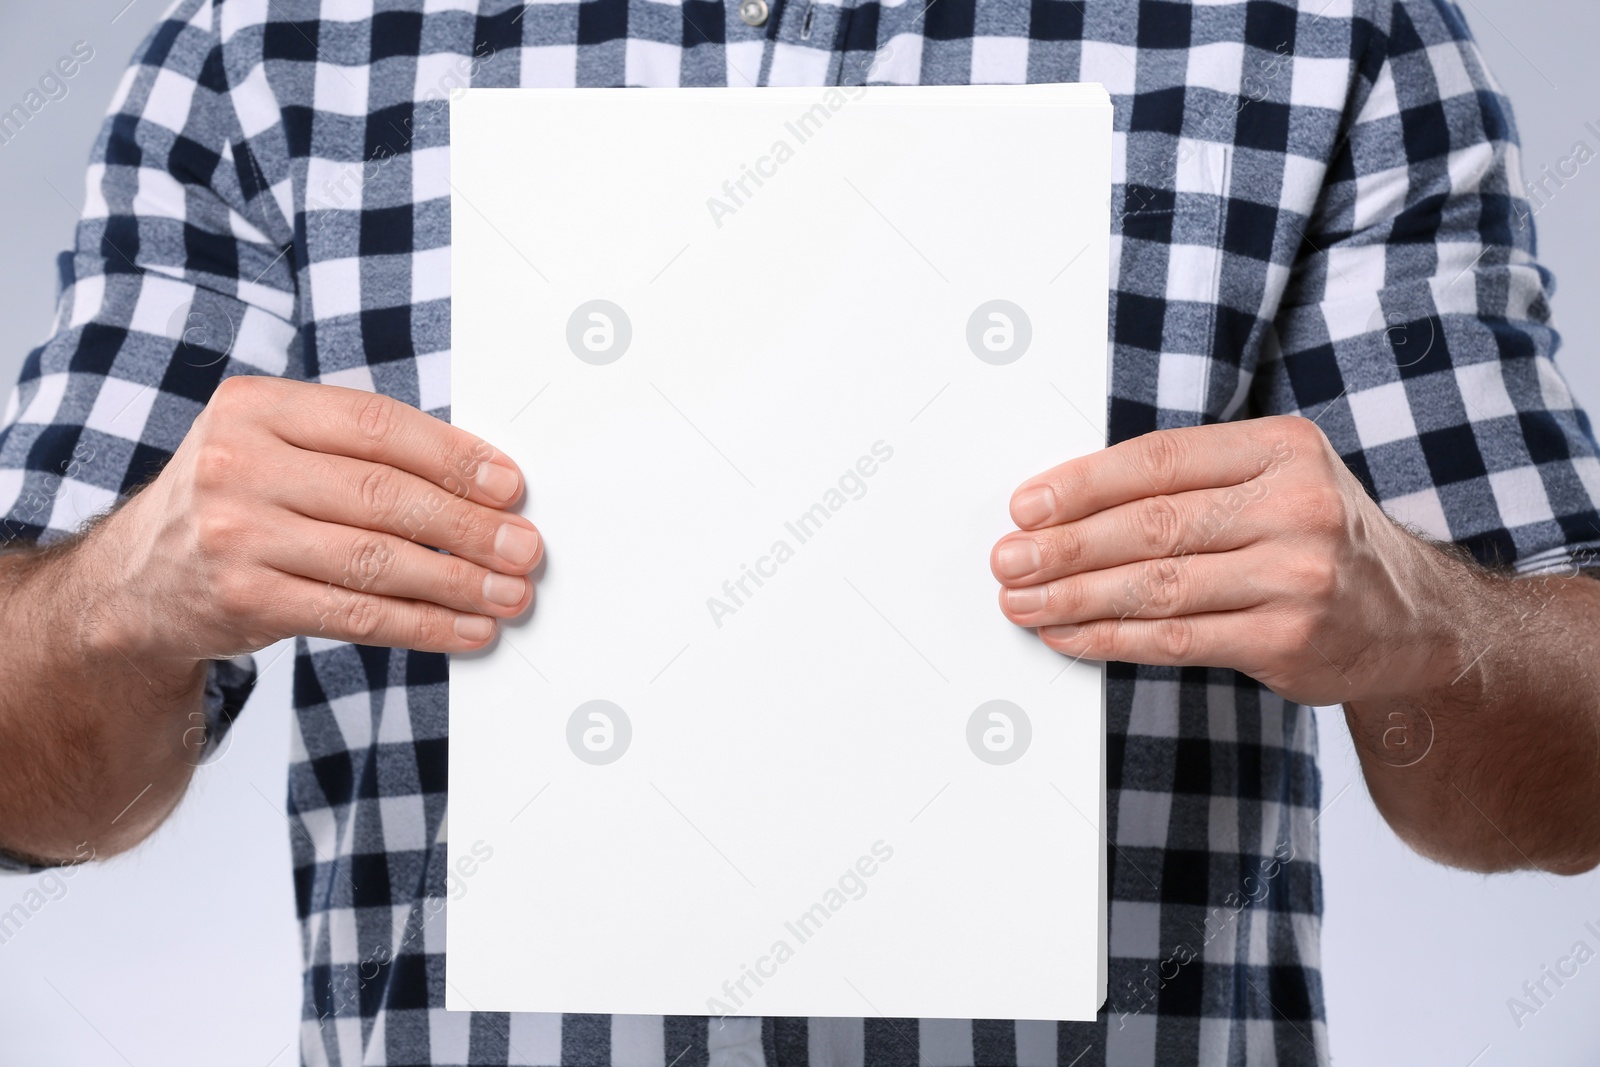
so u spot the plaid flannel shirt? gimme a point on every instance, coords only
(1317, 209)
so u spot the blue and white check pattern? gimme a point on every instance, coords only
(1317, 209)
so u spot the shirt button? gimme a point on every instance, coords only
(753, 12)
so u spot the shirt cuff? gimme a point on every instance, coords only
(229, 683)
(1563, 559)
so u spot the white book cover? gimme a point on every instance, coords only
(773, 361)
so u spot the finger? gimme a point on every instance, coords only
(1208, 520)
(1219, 639)
(373, 496)
(385, 565)
(1157, 464)
(317, 609)
(1159, 588)
(374, 427)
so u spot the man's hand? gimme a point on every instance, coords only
(1245, 545)
(289, 509)
(1473, 697)
(298, 509)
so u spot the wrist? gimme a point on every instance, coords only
(107, 619)
(1435, 626)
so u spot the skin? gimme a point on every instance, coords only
(289, 509)
(1473, 696)
(293, 508)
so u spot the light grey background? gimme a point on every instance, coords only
(185, 951)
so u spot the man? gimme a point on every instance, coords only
(1318, 214)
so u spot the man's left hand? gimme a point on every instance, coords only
(1247, 545)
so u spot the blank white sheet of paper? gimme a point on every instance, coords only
(772, 362)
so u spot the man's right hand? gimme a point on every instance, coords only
(298, 509)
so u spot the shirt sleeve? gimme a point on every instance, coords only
(1416, 328)
(179, 277)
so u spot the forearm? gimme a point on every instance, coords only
(1490, 757)
(288, 509)
(93, 752)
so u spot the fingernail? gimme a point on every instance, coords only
(497, 480)
(473, 627)
(1026, 601)
(1017, 558)
(504, 589)
(516, 544)
(1034, 505)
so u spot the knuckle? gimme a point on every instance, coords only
(1175, 638)
(1163, 591)
(1334, 507)
(1320, 508)
(215, 464)
(217, 533)
(469, 527)
(1064, 549)
(432, 629)
(1302, 431)
(1316, 578)
(1070, 482)
(1061, 599)
(363, 617)
(369, 556)
(1158, 525)
(1160, 458)
(1294, 436)
(378, 492)
(1108, 639)
(237, 392)
(374, 419)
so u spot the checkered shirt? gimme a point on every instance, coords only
(1316, 210)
